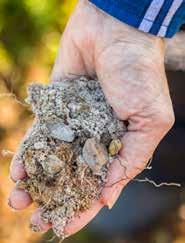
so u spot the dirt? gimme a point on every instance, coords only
(68, 150)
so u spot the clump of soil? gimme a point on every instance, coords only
(68, 151)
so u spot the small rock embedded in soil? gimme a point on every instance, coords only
(115, 146)
(95, 154)
(61, 131)
(69, 148)
(52, 165)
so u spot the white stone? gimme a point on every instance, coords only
(61, 131)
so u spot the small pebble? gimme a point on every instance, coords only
(115, 146)
(40, 145)
(95, 154)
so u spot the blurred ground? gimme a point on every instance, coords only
(29, 36)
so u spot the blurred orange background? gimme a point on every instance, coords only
(30, 32)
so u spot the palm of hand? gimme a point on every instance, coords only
(130, 67)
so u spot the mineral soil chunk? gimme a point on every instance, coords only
(68, 150)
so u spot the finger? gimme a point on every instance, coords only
(72, 227)
(37, 223)
(19, 199)
(17, 171)
(83, 219)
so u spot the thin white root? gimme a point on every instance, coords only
(175, 52)
(6, 152)
(149, 167)
(15, 99)
(157, 185)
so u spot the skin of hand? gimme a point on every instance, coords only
(130, 66)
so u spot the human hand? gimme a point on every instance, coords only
(130, 67)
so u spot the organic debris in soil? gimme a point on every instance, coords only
(68, 150)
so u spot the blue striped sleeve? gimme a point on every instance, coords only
(158, 17)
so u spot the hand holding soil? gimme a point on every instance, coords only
(130, 68)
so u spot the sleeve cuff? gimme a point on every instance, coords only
(158, 17)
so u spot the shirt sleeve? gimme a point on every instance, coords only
(158, 17)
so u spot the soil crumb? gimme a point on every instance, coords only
(68, 150)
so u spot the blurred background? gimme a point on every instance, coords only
(30, 31)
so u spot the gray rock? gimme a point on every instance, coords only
(61, 131)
